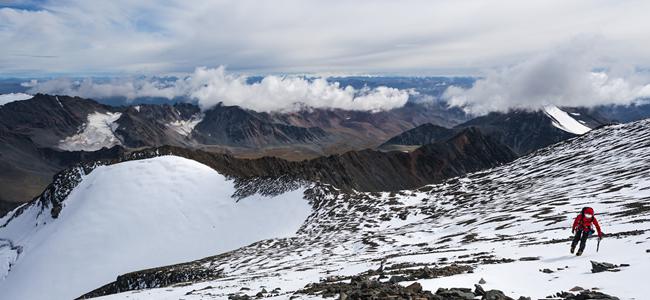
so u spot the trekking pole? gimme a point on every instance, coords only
(598, 245)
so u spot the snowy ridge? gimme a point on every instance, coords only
(564, 121)
(117, 216)
(97, 133)
(506, 223)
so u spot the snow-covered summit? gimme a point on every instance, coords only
(134, 215)
(507, 224)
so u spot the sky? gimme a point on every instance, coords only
(493, 40)
(77, 37)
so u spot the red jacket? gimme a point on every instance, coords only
(582, 223)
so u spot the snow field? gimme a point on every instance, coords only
(97, 133)
(136, 215)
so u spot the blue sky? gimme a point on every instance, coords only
(86, 37)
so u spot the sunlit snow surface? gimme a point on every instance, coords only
(564, 121)
(98, 133)
(135, 215)
(523, 209)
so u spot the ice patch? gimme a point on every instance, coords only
(98, 133)
(185, 127)
(137, 108)
(564, 121)
(11, 97)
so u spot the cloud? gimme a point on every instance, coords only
(210, 86)
(128, 87)
(11, 97)
(87, 37)
(572, 75)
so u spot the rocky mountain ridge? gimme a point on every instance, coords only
(466, 152)
(492, 225)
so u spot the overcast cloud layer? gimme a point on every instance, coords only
(378, 36)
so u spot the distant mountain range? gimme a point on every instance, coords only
(297, 236)
(48, 133)
(522, 131)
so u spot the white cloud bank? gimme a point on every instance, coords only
(210, 86)
(563, 77)
(11, 97)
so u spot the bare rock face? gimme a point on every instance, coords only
(150, 125)
(235, 126)
(46, 119)
(522, 131)
(424, 134)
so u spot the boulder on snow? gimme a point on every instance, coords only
(591, 295)
(495, 295)
(397, 278)
(482, 281)
(414, 287)
(529, 258)
(597, 267)
(478, 290)
(455, 293)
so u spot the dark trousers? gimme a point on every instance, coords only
(581, 236)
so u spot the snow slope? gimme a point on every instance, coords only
(564, 121)
(185, 127)
(98, 133)
(135, 215)
(488, 220)
(11, 97)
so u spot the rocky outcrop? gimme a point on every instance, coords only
(583, 295)
(361, 287)
(156, 277)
